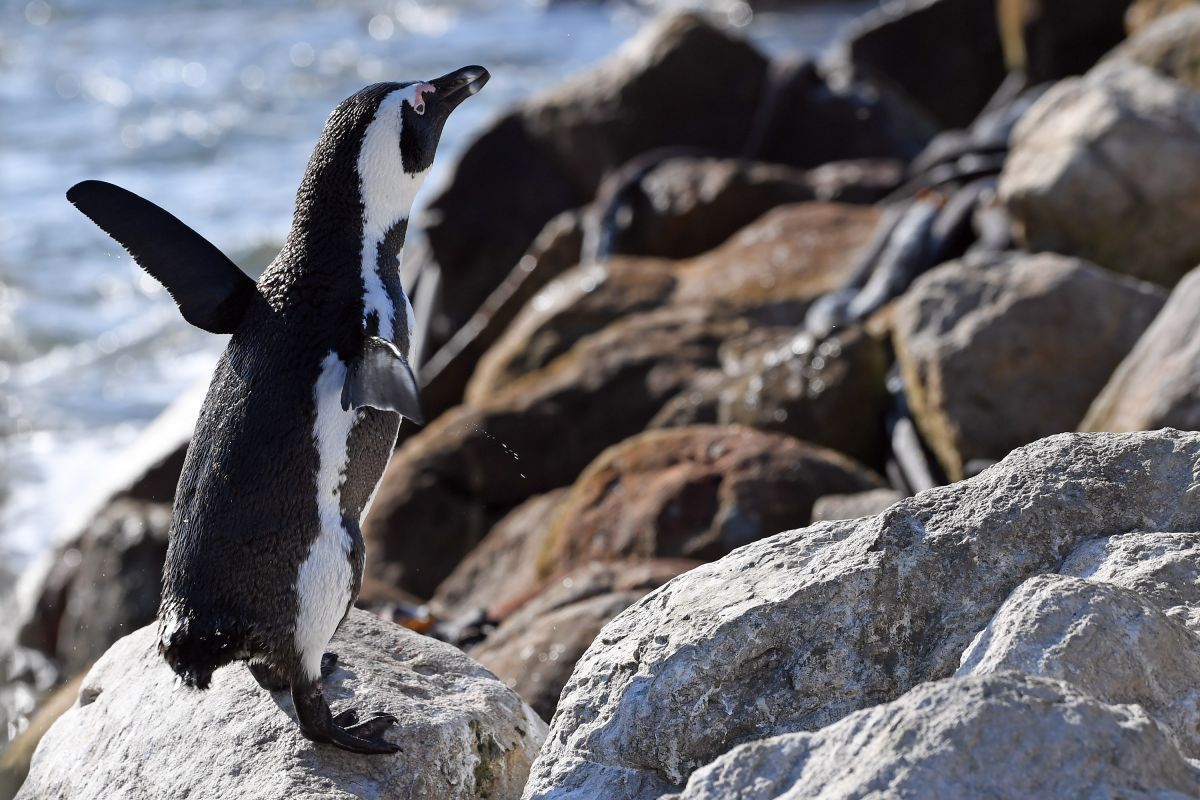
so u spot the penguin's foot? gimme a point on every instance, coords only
(268, 678)
(329, 664)
(345, 731)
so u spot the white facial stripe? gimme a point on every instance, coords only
(323, 585)
(387, 192)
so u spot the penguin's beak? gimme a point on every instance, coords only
(454, 87)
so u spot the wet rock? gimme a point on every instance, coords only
(773, 269)
(796, 631)
(464, 734)
(102, 585)
(504, 565)
(536, 648)
(1158, 383)
(1002, 350)
(469, 467)
(944, 55)
(1006, 735)
(1144, 12)
(830, 392)
(694, 493)
(1169, 46)
(1105, 167)
(1105, 641)
(853, 506)
(1047, 41)
(1163, 568)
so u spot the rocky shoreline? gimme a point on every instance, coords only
(797, 430)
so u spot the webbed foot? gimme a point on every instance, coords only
(329, 664)
(345, 731)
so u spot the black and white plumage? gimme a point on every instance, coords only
(265, 555)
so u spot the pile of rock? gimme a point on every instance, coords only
(668, 335)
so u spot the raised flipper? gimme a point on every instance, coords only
(212, 293)
(381, 378)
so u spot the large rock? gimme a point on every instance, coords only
(1158, 383)
(536, 648)
(504, 565)
(679, 83)
(1105, 167)
(829, 391)
(1170, 46)
(1002, 350)
(657, 90)
(1164, 568)
(1051, 39)
(796, 631)
(695, 492)
(447, 486)
(1000, 736)
(774, 267)
(945, 55)
(1105, 641)
(134, 734)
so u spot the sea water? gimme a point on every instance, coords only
(211, 110)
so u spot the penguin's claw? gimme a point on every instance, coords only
(372, 729)
(329, 664)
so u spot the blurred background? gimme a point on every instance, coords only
(706, 216)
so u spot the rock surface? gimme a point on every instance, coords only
(695, 492)
(1143, 12)
(1105, 167)
(447, 486)
(774, 267)
(796, 631)
(1001, 736)
(1169, 46)
(464, 734)
(945, 55)
(1158, 383)
(999, 351)
(536, 648)
(502, 566)
(853, 506)
(1163, 568)
(1106, 641)
(830, 391)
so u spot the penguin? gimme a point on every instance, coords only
(265, 555)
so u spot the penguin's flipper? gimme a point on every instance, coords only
(212, 293)
(381, 378)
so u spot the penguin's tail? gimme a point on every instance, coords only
(193, 651)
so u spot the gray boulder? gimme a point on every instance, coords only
(1105, 167)
(1000, 736)
(1105, 641)
(1002, 350)
(1169, 45)
(795, 632)
(1163, 568)
(1158, 383)
(134, 734)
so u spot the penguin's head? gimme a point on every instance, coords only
(399, 142)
